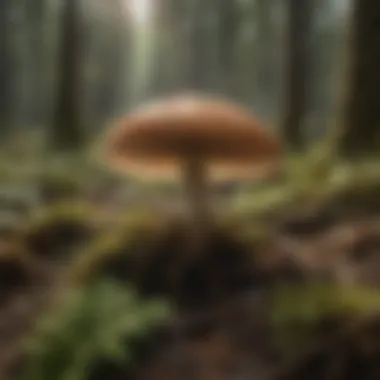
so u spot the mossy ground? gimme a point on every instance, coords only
(286, 265)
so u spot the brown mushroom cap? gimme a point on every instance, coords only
(157, 138)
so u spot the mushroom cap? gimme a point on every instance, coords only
(157, 138)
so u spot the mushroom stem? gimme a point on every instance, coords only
(195, 184)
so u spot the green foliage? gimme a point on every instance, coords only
(69, 171)
(314, 168)
(297, 310)
(311, 302)
(310, 177)
(62, 185)
(89, 325)
(63, 211)
(304, 174)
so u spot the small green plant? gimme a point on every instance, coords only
(92, 324)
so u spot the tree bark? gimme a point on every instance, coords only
(361, 108)
(296, 85)
(67, 133)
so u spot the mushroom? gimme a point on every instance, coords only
(201, 138)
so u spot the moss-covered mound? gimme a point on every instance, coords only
(156, 255)
(56, 230)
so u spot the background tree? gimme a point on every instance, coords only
(6, 77)
(228, 27)
(325, 70)
(296, 75)
(36, 16)
(67, 132)
(104, 50)
(361, 109)
(266, 56)
(233, 47)
(200, 13)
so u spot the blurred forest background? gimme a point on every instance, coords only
(70, 67)
(94, 282)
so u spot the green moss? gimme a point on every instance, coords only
(61, 211)
(299, 310)
(251, 233)
(102, 321)
(138, 229)
(312, 184)
(59, 186)
(53, 228)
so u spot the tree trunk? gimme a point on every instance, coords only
(67, 133)
(6, 76)
(36, 111)
(228, 28)
(167, 29)
(296, 71)
(109, 55)
(361, 108)
(199, 49)
(266, 73)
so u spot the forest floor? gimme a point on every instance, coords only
(288, 292)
